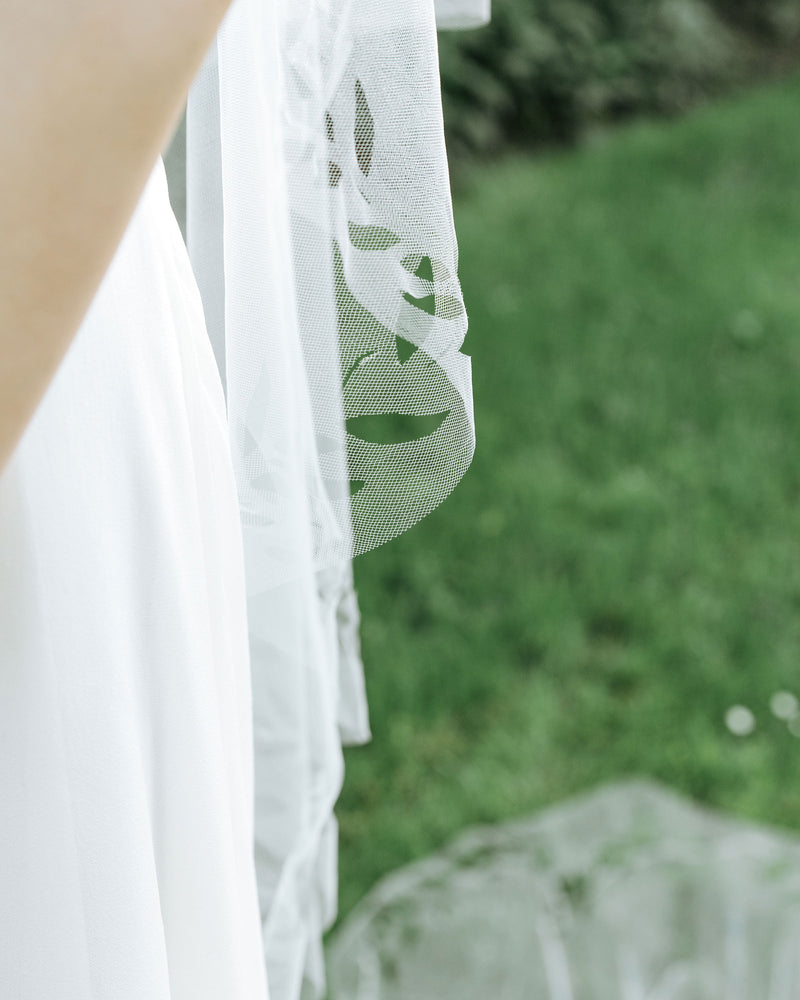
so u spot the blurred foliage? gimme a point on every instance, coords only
(544, 70)
(774, 21)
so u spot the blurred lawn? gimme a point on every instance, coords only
(622, 562)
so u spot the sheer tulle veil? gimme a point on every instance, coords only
(320, 229)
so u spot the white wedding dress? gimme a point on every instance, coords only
(126, 784)
(179, 663)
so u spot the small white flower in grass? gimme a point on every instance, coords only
(784, 705)
(740, 720)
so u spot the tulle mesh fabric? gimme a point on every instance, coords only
(320, 228)
(337, 105)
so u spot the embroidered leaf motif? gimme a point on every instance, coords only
(426, 304)
(395, 428)
(426, 268)
(360, 332)
(354, 365)
(404, 349)
(445, 306)
(364, 131)
(371, 237)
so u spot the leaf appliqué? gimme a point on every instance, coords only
(364, 131)
(395, 428)
(372, 237)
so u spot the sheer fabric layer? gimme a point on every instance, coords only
(320, 228)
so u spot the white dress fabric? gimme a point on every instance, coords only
(179, 661)
(126, 795)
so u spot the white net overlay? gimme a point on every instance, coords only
(320, 229)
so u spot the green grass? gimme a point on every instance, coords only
(622, 562)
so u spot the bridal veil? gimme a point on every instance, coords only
(320, 229)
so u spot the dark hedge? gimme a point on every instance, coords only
(544, 70)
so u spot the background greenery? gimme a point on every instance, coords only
(622, 562)
(545, 70)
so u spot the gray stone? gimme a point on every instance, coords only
(627, 893)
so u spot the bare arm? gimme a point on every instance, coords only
(89, 92)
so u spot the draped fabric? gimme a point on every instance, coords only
(320, 229)
(126, 750)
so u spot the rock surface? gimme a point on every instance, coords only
(627, 893)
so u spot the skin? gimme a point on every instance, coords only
(90, 92)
